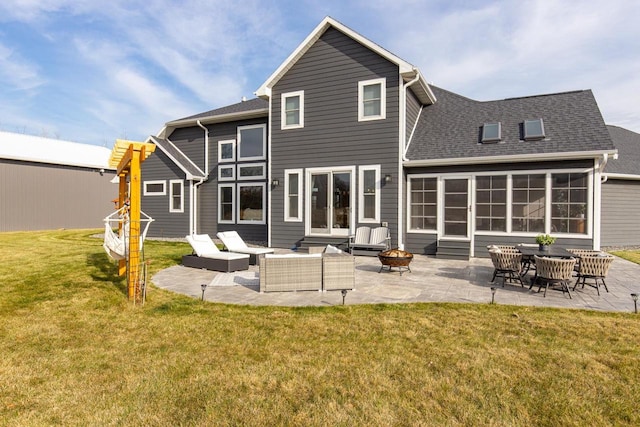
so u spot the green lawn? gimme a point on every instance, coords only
(74, 351)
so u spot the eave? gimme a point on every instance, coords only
(574, 155)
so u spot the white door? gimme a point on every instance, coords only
(329, 204)
(455, 218)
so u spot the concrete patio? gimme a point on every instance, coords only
(430, 280)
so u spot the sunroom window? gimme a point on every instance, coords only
(491, 203)
(424, 203)
(528, 205)
(569, 193)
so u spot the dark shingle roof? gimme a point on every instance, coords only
(451, 128)
(178, 157)
(628, 144)
(240, 107)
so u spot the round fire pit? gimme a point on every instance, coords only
(395, 258)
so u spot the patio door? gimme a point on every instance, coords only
(455, 218)
(329, 204)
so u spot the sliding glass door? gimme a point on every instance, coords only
(329, 204)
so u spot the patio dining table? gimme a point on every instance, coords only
(529, 252)
(552, 251)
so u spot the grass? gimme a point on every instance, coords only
(74, 351)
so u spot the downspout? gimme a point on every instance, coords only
(402, 157)
(194, 199)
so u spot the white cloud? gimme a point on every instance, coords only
(18, 72)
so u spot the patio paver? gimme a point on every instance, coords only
(430, 280)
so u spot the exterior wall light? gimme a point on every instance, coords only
(387, 179)
(275, 182)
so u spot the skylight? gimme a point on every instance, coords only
(491, 132)
(533, 129)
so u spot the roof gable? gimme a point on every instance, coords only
(191, 170)
(407, 70)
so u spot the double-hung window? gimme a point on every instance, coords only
(176, 199)
(293, 196)
(369, 194)
(226, 203)
(372, 99)
(292, 110)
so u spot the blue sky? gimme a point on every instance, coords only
(92, 71)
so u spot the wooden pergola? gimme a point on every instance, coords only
(127, 158)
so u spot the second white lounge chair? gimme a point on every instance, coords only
(207, 255)
(234, 243)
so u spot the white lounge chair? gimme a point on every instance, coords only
(207, 255)
(234, 243)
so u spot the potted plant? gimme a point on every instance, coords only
(544, 240)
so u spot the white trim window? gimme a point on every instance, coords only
(252, 203)
(529, 201)
(226, 203)
(227, 151)
(292, 110)
(369, 194)
(491, 203)
(176, 196)
(569, 202)
(252, 142)
(155, 188)
(251, 171)
(372, 96)
(226, 173)
(423, 203)
(293, 195)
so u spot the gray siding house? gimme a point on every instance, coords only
(346, 134)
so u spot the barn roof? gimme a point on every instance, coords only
(30, 148)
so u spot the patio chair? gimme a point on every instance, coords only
(594, 267)
(552, 271)
(368, 241)
(579, 253)
(507, 265)
(208, 256)
(234, 243)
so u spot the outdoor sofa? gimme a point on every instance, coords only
(307, 272)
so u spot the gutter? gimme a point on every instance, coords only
(193, 216)
(605, 159)
(402, 154)
(572, 155)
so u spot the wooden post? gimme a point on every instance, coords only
(128, 156)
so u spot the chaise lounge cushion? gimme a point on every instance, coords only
(234, 243)
(204, 247)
